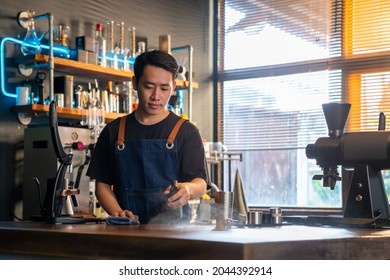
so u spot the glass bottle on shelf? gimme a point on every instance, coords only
(112, 99)
(134, 102)
(85, 102)
(31, 43)
(111, 57)
(96, 120)
(105, 101)
(100, 45)
(141, 48)
(62, 35)
(120, 48)
(125, 98)
(92, 197)
(61, 42)
(132, 48)
(117, 97)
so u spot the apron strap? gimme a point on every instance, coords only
(121, 134)
(173, 133)
(170, 140)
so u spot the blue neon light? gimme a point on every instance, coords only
(3, 89)
(58, 50)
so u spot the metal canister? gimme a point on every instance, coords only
(224, 209)
(165, 43)
(276, 215)
(77, 95)
(60, 99)
(255, 217)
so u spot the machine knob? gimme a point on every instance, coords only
(78, 145)
(310, 151)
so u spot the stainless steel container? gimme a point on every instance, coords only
(276, 215)
(255, 218)
(224, 209)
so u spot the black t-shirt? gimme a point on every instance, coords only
(189, 144)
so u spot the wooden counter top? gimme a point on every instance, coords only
(99, 241)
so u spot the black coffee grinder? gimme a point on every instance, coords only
(365, 154)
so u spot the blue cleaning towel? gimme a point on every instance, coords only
(122, 220)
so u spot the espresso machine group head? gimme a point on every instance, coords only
(364, 153)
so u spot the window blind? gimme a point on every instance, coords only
(281, 60)
(367, 60)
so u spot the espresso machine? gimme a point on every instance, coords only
(41, 164)
(363, 155)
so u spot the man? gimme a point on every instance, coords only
(134, 165)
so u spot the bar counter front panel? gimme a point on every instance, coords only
(29, 240)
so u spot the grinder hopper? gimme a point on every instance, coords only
(336, 116)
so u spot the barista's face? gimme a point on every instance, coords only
(155, 87)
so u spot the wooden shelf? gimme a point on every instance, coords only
(78, 68)
(62, 112)
(181, 83)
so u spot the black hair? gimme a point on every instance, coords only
(155, 58)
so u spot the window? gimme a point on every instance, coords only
(279, 61)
